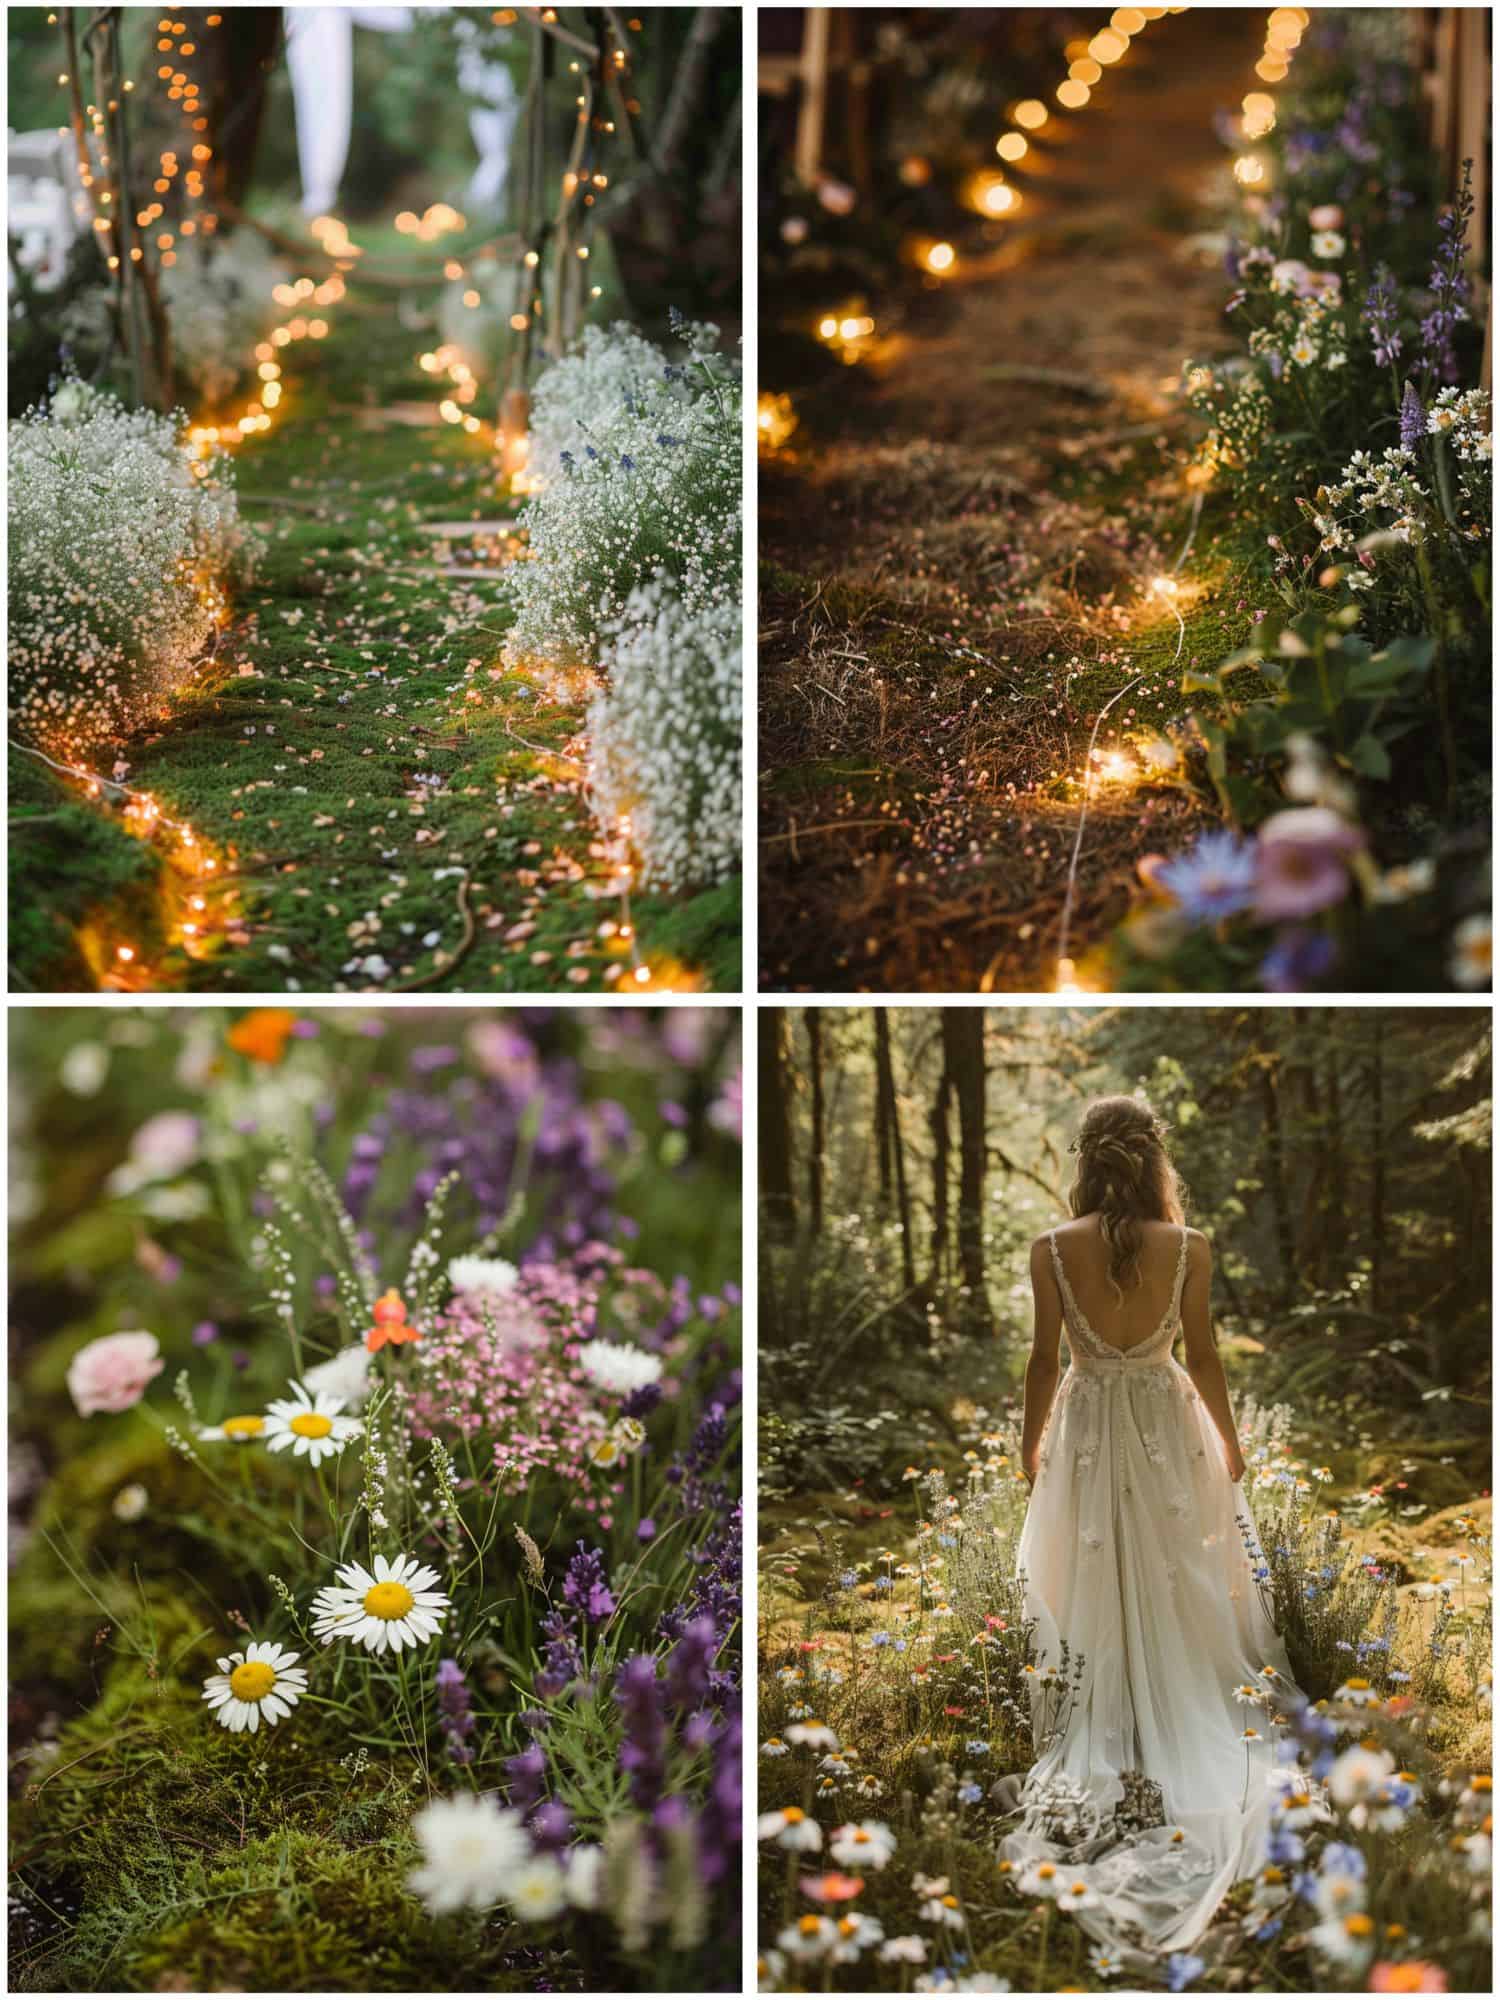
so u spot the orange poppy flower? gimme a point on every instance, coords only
(390, 1323)
(263, 1034)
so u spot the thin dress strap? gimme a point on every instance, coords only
(1181, 1275)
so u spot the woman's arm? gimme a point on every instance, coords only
(1042, 1367)
(1202, 1358)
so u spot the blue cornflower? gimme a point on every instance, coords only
(1269, 1929)
(1284, 1848)
(627, 462)
(1183, 1967)
(1340, 1858)
(1212, 880)
(848, 1578)
(664, 438)
(977, 1748)
(591, 451)
(968, 1793)
(885, 1583)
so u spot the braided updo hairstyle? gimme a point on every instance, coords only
(1125, 1175)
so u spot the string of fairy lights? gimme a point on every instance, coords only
(179, 180)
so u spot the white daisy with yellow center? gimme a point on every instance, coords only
(310, 1424)
(390, 1605)
(262, 1683)
(235, 1430)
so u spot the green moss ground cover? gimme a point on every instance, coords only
(356, 753)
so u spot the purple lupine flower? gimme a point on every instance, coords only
(644, 1747)
(454, 1712)
(586, 1587)
(1379, 316)
(1449, 284)
(562, 1663)
(1413, 419)
(552, 1826)
(690, 1663)
(527, 1773)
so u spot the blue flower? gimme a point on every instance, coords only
(968, 1793)
(978, 1748)
(1214, 879)
(1298, 958)
(848, 1578)
(1182, 1969)
(591, 451)
(627, 462)
(1269, 1929)
(1341, 1858)
(1284, 1848)
(1413, 418)
(663, 438)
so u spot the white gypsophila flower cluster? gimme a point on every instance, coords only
(654, 490)
(619, 1367)
(666, 735)
(218, 294)
(119, 546)
(578, 399)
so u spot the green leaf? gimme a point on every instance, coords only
(1368, 757)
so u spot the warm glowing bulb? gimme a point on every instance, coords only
(1108, 46)
(828, 328)
(1085, 70)
(940, 257)
(1011, 146)
(1072, 95)
(1249, 171)
(1031, 113)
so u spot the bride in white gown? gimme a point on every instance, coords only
(1138, 1556)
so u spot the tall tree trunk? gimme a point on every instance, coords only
(963, 1042)
(1273, 1141)
(778, 1201)
(885, 1076)
(1339, 1232)
(937, 1124)
(882, 1112)
(1377, 1161)
(816, 1164)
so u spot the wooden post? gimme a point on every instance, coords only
(812, 112)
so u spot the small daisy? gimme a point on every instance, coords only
(395, 1607)
(792, 1829)
(1327, 243)
(264, 1680)
(310, 1424)
(234, 1430)
(862, 1844)
(538, 1891)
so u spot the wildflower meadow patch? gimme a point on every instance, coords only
(375, 1487)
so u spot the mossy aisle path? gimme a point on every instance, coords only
(390, 806)
(959, 547)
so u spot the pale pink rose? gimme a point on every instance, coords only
(113, 1373)
(1329, 216)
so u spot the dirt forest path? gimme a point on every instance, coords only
(958, 549)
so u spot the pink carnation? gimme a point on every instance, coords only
(112, 1374)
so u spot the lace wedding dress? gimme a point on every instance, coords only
(1138, 1555)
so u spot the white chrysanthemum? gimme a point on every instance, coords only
(618, 1366)
(345, 1374)
(263, 1681)
(310, 1425)
(395, 1607)
(486, 1277)
(472, 1851)
(234, 1430)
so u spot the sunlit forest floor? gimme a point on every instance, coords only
(821, 1549)
(959, 546)
(390, 806)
